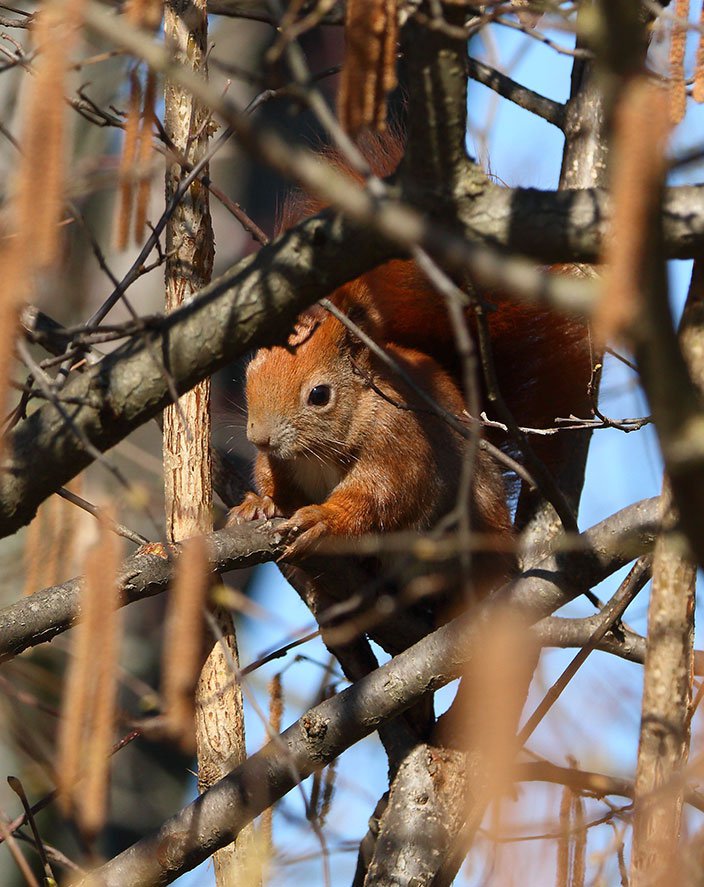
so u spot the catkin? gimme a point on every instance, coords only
(678, 90)
(641, 128)
(369, 69)
(88, 709)
(183, 640)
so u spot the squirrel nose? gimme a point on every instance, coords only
(259, 436)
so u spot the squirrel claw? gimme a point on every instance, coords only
(309, 524)
(252, 507)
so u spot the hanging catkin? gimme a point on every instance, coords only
(678, 87)
(698, 89)
(369, 70)
(134, 179)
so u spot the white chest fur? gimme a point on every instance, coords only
(315, 478)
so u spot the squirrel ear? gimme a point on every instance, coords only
(306, 324)
(365, 320)
(359, 316)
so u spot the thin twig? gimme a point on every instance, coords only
(116, 527)
(18, 789)
(45, 385)
(612, 613)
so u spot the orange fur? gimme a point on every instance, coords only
(369, 460)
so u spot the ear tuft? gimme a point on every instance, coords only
(359, 315)
(306, 325)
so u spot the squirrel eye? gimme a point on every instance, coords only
(319, 396)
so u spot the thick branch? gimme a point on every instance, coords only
(557, 631)
(597, 553)
(665, 721)
(434, 62)
(425, 809)
(527, 220)
(39, 618)
(676, 401)
(663, 748)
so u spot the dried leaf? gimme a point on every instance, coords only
(40, 184)
(51, 541)
(563, 842)
(144, 156)
(275, 716)
(105, 592)
(497, 686)
(137, 146)
(572, 843)
(130, 148)
(579, 858)
(145, 14)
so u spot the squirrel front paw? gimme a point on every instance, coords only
(253, 507)
(307, 524)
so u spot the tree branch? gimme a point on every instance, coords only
(597, 553)
(39, 618)
(597, 784)
(503, 85)
(434, 62)
(523, 220)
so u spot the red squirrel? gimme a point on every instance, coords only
(346, 447)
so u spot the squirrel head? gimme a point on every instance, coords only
(302, 398)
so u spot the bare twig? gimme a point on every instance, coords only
(120, 529)
(17, 787)
(612, 613)
(552, 111)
